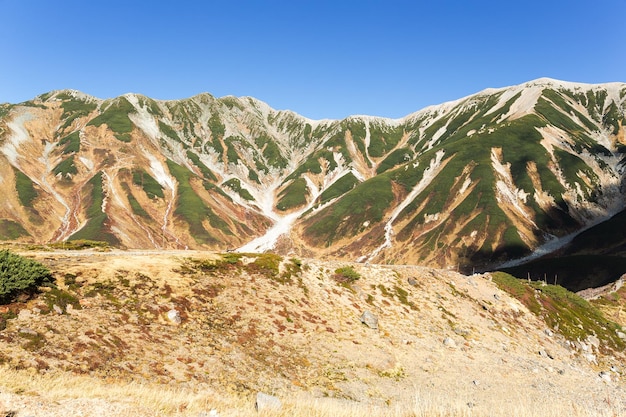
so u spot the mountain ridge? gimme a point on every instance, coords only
(468, 184)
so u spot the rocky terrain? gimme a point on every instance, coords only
(194, 333)
(497, 176)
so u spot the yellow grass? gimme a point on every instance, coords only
(123, 399)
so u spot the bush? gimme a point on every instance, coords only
(346, 274)
(19, 275)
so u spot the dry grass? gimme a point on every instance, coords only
(244, 331)
(67, 394)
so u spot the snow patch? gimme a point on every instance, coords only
(87, 162)
(158, 170)
(429, 174)
(142, 118)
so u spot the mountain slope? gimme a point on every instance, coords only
(466, 184)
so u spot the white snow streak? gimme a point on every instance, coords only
(19, 136)
(505, 187)
(429, 174)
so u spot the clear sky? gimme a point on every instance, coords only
(322, 59)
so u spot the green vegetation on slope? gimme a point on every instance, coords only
(150, 186)
(271, 151)
(25, 188)
(134, 204)
(293, 196)
(168, 131)
(11, 230)
(66, 168)
(96, 228)
(562, 310)
(71, 143)
(383, 139)
(367, 202)
(339, 188)
(115, 116)
(235, 185)
(192, 209)
(73, 108)
(206, 172)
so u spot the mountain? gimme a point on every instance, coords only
(467, 184)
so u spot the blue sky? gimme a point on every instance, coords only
(322, 59)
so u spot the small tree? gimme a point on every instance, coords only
(19, 275)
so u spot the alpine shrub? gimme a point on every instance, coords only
(19, 275)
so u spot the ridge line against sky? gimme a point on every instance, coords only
(320, 59)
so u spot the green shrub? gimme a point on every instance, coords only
(346, 274)
(19, 275)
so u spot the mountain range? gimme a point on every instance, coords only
(491, 180)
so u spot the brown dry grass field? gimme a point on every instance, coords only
(197, 334)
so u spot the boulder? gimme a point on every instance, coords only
(369, 319)
(174, 316)
(267, 402)
(449, 343)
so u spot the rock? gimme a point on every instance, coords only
(412, 281)
(24, 314)
(593, 341)
(449, 343)
(591, 358)
(57, 309)
(461, 331)
(369, 319)
(621, 335)
(545, 354)
(212, 413)
(26, 330)
(267, 402)
(174, 316)
(548, 332)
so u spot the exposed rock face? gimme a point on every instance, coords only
(469, 184)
